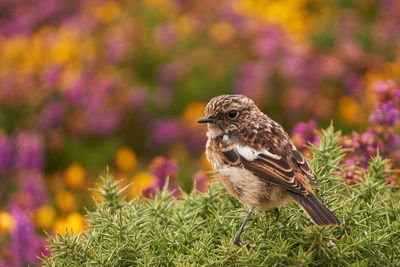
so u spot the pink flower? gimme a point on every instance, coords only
(29, 151)
(304, 132)
(5, 154)
(385, 114)
(201, 181)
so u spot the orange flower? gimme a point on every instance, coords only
(45, 216)
(73, 223)
(108, 11)
(125, 159)
(192, 113)
(65, 200)
(222, 32)
(7, 222)
(141, 181)
(75, 176)
(350, 111)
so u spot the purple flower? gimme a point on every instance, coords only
(136, 98)
(364, 146)
(52, 75)
(168, 74)
(175, 189)
(301, 66)
(269, 43)
(41, 245)
(395, 141)
(162, 168)
(201, 181)
(387, 91)
(166, 131)
(164, 33)
(76, 91)
(23, 237)
(353, 84)
(5, 154)
(52, 114)
(29, 151)
(116, 44)
(385, 114)
(101, 122)
(351, 172)
(251, 80)
(304, 132)
(163, 96)
(33, 188)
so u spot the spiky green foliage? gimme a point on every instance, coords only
(198, 229)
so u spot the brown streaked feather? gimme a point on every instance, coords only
(273, 176)
(304, 166)
(277, 141)
(286, 174)
(277, 172)
(278, 163)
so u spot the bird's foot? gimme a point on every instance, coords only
(240, 243)
(277, 214)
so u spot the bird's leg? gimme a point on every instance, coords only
(237, 241)
(277, 214)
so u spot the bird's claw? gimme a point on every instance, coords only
(240, 243)
(276, 212)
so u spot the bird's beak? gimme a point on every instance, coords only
(205, 119)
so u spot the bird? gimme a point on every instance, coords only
(256, 161)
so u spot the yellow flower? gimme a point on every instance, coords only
(13, 49)
(392, 69)
(184, 25)
(7, 222)
(154, 3)
(204, 162)
(65, 200)
(73, 223)
(108, 11)
(69, 77)
(44, 216)
(59, 226)
(141, 181)
(193, 112)
(65, 50)
(33, 58)
(178, 151)
(125, 159)
(222, 32)
(75, 176)
(292, 15)
(95, 194)
(350, 111)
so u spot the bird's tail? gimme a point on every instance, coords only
(317, 212)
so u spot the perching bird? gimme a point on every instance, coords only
(257, 162)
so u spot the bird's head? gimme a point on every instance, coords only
(227, 113)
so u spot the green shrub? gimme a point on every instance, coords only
(198, 229)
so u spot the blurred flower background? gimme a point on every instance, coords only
(89, 84)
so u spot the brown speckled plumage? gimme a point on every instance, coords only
(256, 160)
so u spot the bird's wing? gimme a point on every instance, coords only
(273, 168)
(302, 163)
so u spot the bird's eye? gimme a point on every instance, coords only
(232, 114)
